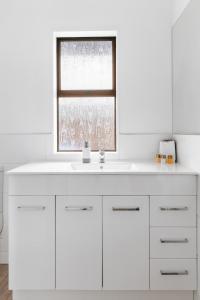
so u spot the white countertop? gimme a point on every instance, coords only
(51, 168)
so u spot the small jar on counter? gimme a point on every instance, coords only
(170, 160)
(158, 158)
(163, 159)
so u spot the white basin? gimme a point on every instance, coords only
(108, 166)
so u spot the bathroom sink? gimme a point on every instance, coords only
(109, 166)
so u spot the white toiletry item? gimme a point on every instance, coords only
(86, 153)
(168, 147)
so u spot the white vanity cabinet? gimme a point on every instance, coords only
(79, 242)
(126, 243)
(102, 233)
(32, 243)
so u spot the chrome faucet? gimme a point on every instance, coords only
(101, 156)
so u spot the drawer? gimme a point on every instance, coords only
(173, 274)
(173, 211)
(170, 242)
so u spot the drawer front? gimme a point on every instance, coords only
(173, 274)
(172, 242)
(170, 211)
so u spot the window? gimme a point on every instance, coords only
(86, 93)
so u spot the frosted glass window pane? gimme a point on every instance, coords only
(86, 65)
(90, 119)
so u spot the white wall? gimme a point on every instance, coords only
(26, 72)
(186, 88)
(186, 93)
(178, 8)
(188, 150)
(144, 62)
(186, 58)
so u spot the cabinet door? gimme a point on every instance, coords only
(31, 242)
(126, 243)
(79, 242)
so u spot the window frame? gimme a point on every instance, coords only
(85, 93)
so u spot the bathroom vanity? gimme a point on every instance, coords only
(120, 232)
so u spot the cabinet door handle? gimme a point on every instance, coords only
(31, 208)
(167, 273)
(125, 208)
(78, 208)
(171, 241)
(181, 208)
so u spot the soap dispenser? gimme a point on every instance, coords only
(86, 155)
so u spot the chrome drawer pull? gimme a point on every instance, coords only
(78, 208)
(183, 208)
(31, 208)
(125, 208)
(166, 241)
(166, 273)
